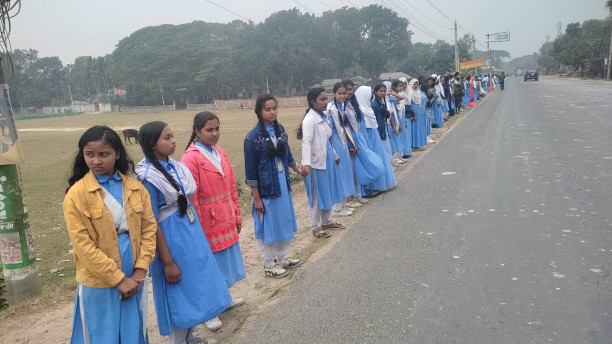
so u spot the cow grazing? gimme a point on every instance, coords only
(128, 134)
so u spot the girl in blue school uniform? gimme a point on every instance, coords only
(406, 117)
(367, 165)
(318, 164)
(188, 287)
(112, 229)
(387, 179)
(344, 145)
(428, 93)
(267, 158)
(414, 100)
(393, 125)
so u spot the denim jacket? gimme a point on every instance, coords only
(261, 170)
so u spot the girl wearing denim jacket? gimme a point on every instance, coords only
(267, 158)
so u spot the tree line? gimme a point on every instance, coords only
(199, 61)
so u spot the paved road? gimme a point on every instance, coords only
(500, 234)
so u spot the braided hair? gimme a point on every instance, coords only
(278, 150)
(199, 121)
(148, 135)
(311, 97)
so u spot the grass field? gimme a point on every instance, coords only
(49, 146)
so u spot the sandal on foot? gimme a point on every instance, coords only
(333, 225)
(321, 233)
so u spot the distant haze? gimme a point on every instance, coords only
(72, 28)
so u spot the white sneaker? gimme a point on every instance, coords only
(398, 161)
(214, 324)
(276, 271)
(235, 303)
(288, 262)
(343, 212)
(361, 200)
(354, 204)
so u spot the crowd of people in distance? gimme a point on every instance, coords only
(180, 221)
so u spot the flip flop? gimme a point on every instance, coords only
(333, 225)
(321, 233)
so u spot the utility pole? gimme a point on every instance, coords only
(474, 49)
(609, 57)
(456, 49)
(16, 244)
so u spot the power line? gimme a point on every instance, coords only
(423, 14)
(437, 9)
(326, 5)
(416, 23)
(304, 6)
(230, 11)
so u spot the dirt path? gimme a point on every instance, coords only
(53, 325)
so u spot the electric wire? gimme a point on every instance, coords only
(230, 11)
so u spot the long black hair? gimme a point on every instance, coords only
(353, 99)
(199, 121)
(311, 97)
(148, 135)
(123, 164)
(273, 151)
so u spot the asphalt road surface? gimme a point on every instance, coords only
(502, 233)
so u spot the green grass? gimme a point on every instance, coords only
(49, 146)
(25, 116)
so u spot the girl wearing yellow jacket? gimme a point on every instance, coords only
(112, 230)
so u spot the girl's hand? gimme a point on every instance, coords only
(258, 204)
(337, 161)
(353, 151)
(305, 171)
(298, 170)
(238, 227)
(172, 272)
(399, 128)
(127, 288)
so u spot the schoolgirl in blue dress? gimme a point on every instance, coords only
(318, 163)
(379, 105)
(188, 287)
(387, 180)
(438, 105)
(419, 137)
(112, 229)
(345, 146)
(363, 161)
(267, 158)
(393, 124)
(430, 94)
(406, 116)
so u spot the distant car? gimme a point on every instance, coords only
(531, 74)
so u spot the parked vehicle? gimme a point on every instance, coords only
(531, 74)
(519, 71)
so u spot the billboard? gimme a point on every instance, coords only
(472, 64)
(10, 152)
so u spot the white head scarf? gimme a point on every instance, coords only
(364, 99)
(414, 95)
(390, 107)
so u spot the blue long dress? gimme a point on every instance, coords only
(344, 169)
(406, 133)
(328, 191)
(427, 113)
(438, 116)
(277, 223)
(419, 137)
(108, 318)
(202, 293)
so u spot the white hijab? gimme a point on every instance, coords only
(414, 95)
(364, 99)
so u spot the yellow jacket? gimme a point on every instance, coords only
(93, 235)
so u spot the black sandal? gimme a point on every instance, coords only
(321, 234)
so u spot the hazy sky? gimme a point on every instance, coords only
(72, 28)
